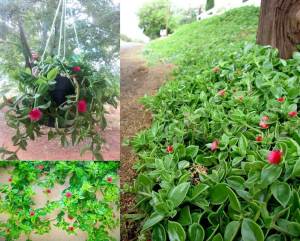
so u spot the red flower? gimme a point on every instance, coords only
(70, 217)
(259, 138)
(221, 92)
(40, 167)
(293, 113)
(10, 179)
(263, 125)
(82, 106)
(48, 191)
(35, 114)
(216, 69)
(170, 149)
(281, 99)
(76, 69)
(68, 194)
(265, 118)
(71, 228)
(32, 213)
(214, 145)
(274, 157)
(109, 179)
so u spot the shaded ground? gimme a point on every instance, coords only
(42, 149)
(137, 79)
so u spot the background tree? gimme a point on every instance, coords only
(96, 21)
(156, 15)
(279, 25)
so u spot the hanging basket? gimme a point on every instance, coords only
(66, 96)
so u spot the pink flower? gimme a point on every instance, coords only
(40, 167)
(214, 145)
(281, 99)
(35, 114)
(68, 194)
(263, 125)
(109, 179)
(274, 157)
(259, 138)
(10, 179)
(82, 106)
(265, 118)
(170, 149)
(221, 92)
(76, 69)
(293, 114)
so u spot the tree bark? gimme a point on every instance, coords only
(279, 25)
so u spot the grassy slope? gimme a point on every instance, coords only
(205, 40)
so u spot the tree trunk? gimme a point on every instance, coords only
(279, 25)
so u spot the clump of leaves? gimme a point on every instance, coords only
(74, 115)
(78, 208)
(238, 120)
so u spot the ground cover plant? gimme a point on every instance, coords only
(88, 203)
(221, 160)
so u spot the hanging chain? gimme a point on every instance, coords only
(52, 30)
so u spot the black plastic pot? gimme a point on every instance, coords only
(62, 88)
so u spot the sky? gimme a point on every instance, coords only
(129, 19)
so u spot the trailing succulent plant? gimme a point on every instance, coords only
(68, 96)
(222, 158)
(89, 202)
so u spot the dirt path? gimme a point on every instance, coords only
(137, 79)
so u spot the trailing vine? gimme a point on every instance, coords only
(89, 202)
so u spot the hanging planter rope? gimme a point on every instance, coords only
(65, 94)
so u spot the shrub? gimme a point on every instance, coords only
(220, 181)
(209, 4)
(78, 207)
(154, 16)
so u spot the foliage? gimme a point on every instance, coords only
(79, 207)
(91, 86)
(155, 16)
(206, 40)
(209, 4)
(97, 24)
(203, 173)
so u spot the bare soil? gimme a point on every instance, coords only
(137, 79)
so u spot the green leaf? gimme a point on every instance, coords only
(178, 193)
(192, 151)
(219, 193)
(197, 190)
(234, 201)
(231, 230)
(185, 218)
(274, 237)
(292, 228)
(45, 106)
(251, 231)
(176, 231)
(281, 192)
(52, 74)
(270, 173)
(159, 233)
(243, 145)
(296, 169)
(152, 220)
(217, 237)
(196, 232)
